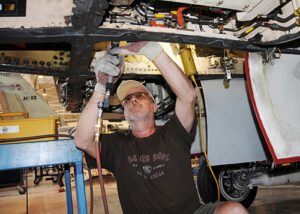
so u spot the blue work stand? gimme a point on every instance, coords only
(56, 152)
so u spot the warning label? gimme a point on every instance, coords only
(9, 129)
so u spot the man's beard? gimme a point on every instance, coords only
(134, 113)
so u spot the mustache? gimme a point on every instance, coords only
(134, 105)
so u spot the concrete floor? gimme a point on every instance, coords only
(46, 198)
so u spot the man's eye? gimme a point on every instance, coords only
(138, 96)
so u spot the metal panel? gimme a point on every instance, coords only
(232, 134)
(25, 155)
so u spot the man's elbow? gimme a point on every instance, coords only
(79, 142)
(191, 96)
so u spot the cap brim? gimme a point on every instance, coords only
(125, 86)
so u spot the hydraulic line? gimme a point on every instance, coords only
(140, 10)
(210, 21)
(283, 20)
(120, 19)
(249, 30)
(271, 26)
(278, 27)
(146, 15)
(190, 70)
(98, 158)
(101, 106)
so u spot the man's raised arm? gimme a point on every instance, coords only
(85, 129)
(174, 76)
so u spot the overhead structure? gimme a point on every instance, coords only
(59, 38)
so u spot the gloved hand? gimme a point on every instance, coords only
(149, 49)
(107, 65)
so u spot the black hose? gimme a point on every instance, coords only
(246, 33)
(288, 38)
(34, 137)
(283, 20)
(273, 14)
(281, 28)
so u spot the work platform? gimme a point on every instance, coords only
(45, 153)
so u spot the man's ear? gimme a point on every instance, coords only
(155, 107)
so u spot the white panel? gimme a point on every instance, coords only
(276, 88)
(241, 5)
(263, 8)
(233, 136)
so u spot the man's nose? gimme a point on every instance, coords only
(133, 99)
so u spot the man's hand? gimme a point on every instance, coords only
(107, 65)
(149, 49)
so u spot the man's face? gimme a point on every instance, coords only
(138, 105)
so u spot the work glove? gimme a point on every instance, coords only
(108, 65)
(149, 49)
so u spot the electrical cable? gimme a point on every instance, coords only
(34, 137)
(190, 69)
(201, 134)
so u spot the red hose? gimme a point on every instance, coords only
(97, 143)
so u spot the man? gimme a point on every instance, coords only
(152, 163)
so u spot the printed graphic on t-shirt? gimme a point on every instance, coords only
(149, 166)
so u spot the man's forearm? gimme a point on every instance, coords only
(175, 77)
(181, 86)
(85, 129)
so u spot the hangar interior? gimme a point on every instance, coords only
(243, 55)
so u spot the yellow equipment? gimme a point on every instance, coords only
(23, 113)
(27, 127)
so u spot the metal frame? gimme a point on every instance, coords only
(44, 153)
(85, 32)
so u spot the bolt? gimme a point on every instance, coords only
(219, 3)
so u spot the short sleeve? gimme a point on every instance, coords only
(175, 126)
(108, 153)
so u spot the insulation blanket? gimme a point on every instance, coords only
(275, 94)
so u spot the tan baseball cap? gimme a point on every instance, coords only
(126, 85)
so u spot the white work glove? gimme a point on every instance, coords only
(149, 49)
(107, 65)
